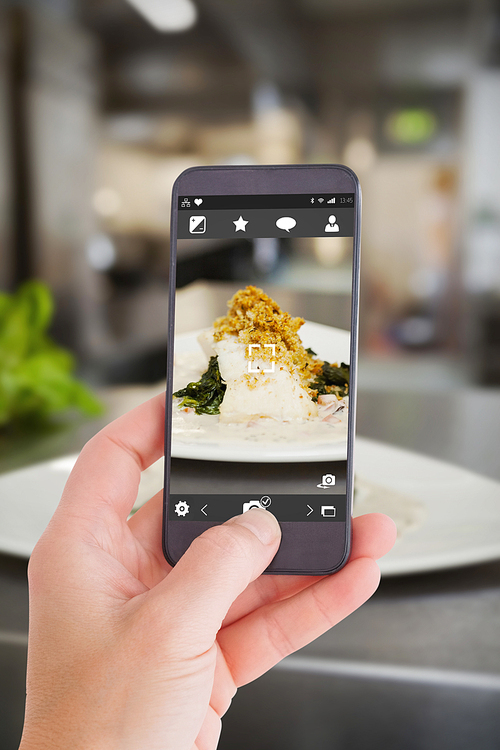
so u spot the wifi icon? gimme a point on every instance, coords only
(320, 200)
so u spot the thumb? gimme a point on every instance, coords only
(215, 570)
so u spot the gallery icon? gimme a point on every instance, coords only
(328, 511)
(332, 225)
(197, 224)
(240, 225)
(327, 481)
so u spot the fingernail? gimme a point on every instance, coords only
(261, 523)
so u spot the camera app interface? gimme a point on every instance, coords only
(261, 356)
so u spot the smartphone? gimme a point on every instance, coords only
(261, 360)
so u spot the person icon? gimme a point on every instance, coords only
(332, 225)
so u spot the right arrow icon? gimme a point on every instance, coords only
(310, 510)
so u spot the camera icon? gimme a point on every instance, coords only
(251, 504)
(327, 481)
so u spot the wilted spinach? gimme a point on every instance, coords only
(205, 396)
(331, 379)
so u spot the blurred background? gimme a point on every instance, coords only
(102, 104)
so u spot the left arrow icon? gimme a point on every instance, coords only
(203, 509)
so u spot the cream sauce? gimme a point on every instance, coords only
(189, 427)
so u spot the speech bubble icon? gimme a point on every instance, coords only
(286, 223)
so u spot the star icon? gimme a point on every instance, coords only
(240, 225)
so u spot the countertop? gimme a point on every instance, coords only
(445, 620)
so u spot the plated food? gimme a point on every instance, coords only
(257, 381)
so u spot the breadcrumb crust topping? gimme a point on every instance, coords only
(255, 318)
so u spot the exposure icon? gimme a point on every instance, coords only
(197, 224)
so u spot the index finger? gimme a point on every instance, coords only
(108, 470)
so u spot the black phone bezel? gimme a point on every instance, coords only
(309, 542)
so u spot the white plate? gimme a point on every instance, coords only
(332, 345)
(29, 497)
(461, 523)
(460, 526)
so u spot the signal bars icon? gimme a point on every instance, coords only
(322, 200)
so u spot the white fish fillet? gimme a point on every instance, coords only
(279, 395)
(206, 341)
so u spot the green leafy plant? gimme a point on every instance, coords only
(36, 375)
(205, 396)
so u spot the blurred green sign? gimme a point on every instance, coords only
(412, 126)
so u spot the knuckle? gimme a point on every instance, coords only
(279, 637)
(44, 565)
(36, 564)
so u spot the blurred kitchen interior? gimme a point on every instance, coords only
(100, 111)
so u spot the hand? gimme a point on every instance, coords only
(127, 653)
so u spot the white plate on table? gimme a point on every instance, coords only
(459, 525)
(330, 344)
(457, 511)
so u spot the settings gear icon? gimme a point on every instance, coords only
(182, 508)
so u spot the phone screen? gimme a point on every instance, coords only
(260, 413)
